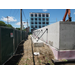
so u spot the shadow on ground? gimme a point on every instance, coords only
(66, 63)
(18, 55)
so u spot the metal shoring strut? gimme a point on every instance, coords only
(42, 34)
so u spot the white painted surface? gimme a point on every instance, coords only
(61, 35)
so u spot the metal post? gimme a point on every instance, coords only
(27, 22)
(7, 20)
(21, 17)
(21, 23)
(56, 19)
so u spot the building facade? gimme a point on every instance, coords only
(38, 20)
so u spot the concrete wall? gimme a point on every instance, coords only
(52, 37)
(53, 34)
(61, 35)
(67, 35)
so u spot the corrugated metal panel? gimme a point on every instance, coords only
(13, 41)
(0, 46)
(8, 43)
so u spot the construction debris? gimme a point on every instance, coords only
(36, 53)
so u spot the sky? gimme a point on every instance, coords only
(14, 15)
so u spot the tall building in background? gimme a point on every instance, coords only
(38, 20)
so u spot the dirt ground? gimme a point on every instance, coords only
(25, 55)
(29, 59)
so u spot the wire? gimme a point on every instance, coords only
(10, 11)
(16, 13)
(24, 15)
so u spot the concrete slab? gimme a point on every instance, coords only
(36, 43)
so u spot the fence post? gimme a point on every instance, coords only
(0, 46)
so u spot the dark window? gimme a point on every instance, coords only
(39, 26)
(43, 19)
(31, 18)
(43, 15)
(35, 22)
(31, 26)
(47, 22)
(35, 18)
(40, 19)
(42, 26)
(47, 19)
(31, 30)
(35, 26)
(39, 15)
(32, 23)
(43, 22)
(35, 15)
(39, 22)
(31, 15)
(47, 15)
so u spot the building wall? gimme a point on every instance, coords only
(38, 21)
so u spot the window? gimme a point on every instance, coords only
(31, 30)
(39, 22)
(43, 26)
(47, 19)
(35, 15)
(31, 15)
(43, 19)
(32, 23)
(31, 26)
(39, 15)
(35, 22)
(35, 26)
(39, 26)
(39, 19)
(43, 22)
(47, 15)
(47, 22)
(35, 18)
(31, 18)
(43, 15)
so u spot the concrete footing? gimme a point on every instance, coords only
(36, 43)
(63, 54)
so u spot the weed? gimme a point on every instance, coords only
(39, 61)
(46, 58)
(49, 61)
(25, 64)
(16, 63)
(52, 64)
(27, 59)
(64, 60)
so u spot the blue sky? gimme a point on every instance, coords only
(14, 15)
